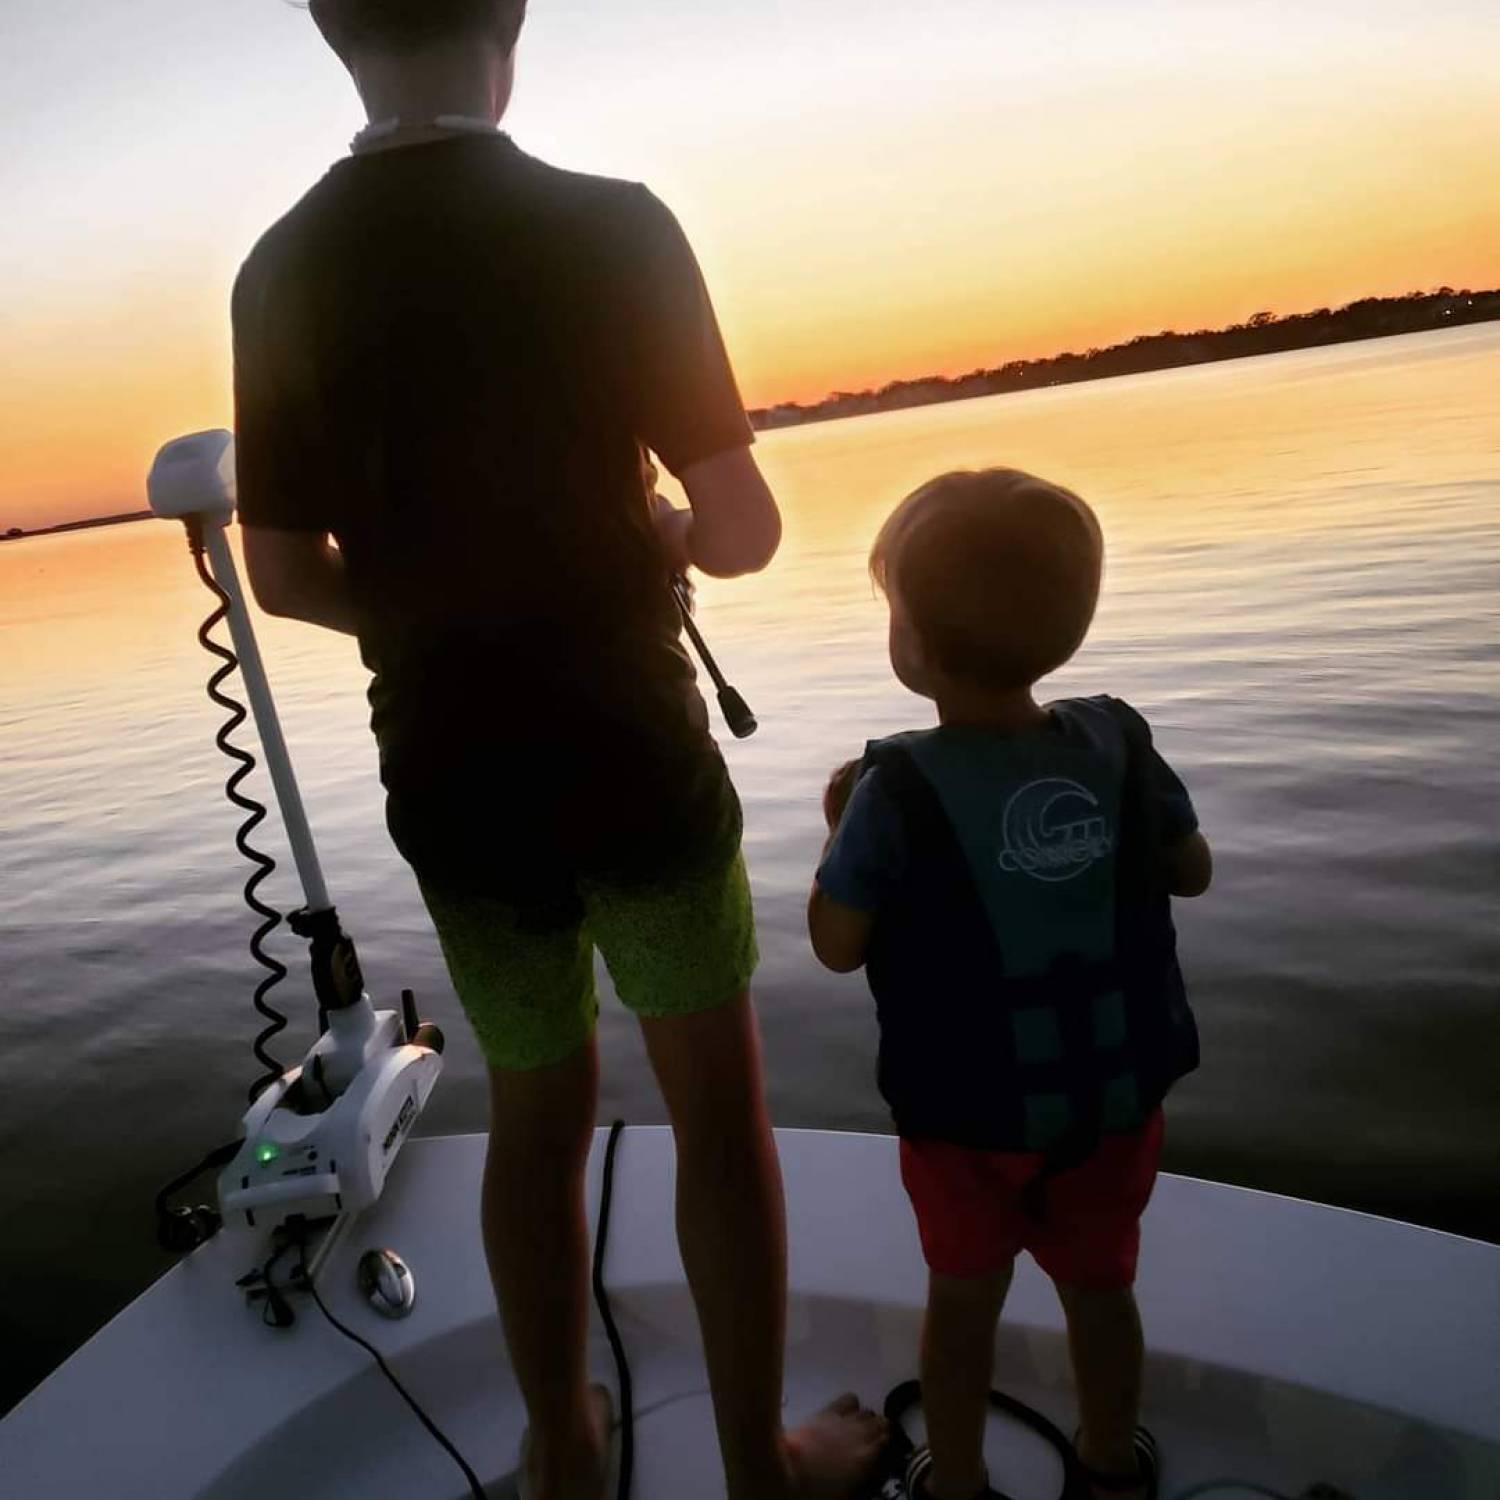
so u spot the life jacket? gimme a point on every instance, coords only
(1118, 1032)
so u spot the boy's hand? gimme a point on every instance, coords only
(838, 791)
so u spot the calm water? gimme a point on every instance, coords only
(1303, 594)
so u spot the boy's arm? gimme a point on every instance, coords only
(840, 934)
(1185, 852)
(1190, 865)
(859, 856)
(298, 574)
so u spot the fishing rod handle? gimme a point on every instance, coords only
(742, 723)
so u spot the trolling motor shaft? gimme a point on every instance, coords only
(215, 541)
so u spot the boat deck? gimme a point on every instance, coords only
(1290, 1343)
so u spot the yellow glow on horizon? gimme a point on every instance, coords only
(91, 392)
(900, 225)
(1113, 228)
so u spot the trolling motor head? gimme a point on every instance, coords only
(193, 476)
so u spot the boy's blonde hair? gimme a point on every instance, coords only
(998, 571)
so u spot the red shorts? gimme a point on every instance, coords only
(969, 1212)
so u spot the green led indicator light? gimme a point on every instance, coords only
(266, 1153)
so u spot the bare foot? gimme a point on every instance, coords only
(582, 1474)
(834, 1453)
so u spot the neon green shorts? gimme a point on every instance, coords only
(671, 949)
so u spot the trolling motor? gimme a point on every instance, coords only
(319, 1139)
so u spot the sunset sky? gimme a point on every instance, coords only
(875, 189)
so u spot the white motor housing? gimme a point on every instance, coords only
(194, 475)
(307, 1151)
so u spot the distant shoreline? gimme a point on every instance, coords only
(1369, 318)
(1265, 333)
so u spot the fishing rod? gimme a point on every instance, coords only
(742, 723)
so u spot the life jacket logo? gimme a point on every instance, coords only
(1053, 830)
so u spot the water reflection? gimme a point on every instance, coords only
(1301, 593)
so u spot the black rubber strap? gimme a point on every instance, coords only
(1147, 1468)
(908, 1395)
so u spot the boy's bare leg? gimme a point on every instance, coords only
(536, 1239)
(958, 1356)
(732, 1232)
(1104, 1339)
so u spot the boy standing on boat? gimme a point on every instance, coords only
(1004, 881)
(449, 358)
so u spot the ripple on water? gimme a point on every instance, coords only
(1302, 594)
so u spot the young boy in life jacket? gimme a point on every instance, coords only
(1004, 881)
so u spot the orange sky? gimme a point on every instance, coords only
(932, 203)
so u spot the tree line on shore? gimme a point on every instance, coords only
(1265, 333)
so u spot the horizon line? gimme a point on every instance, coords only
(799, 412)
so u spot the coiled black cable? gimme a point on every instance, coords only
(256, 813)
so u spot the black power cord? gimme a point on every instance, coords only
(179, 1230)
(607, 1317)
(279, 1315)
(306, 1283)
(256, 813)
(909, 1394)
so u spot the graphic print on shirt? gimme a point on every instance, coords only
(1053, 830)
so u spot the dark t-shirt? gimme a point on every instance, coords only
(450, 357)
